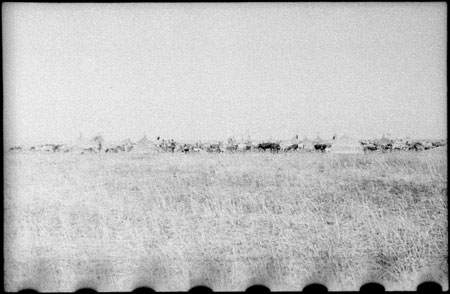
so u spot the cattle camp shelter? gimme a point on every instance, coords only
(145, 146)
(318, 140)
(81, 143)
(384, 140)
(346, 145)
(307, 144)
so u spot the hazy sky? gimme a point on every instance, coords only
(206, 71)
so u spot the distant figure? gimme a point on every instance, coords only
(172, 146)
(186, 148)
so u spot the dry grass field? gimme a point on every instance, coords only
(226, 221)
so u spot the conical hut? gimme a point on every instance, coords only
(346, 145)
(145, 146)
(81, 143)
(306, 144)
(126, 145)
(144, 141)
(98, 142)
(384, 140)
(407, 140)
(318, 140)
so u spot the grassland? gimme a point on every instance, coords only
(172, 222)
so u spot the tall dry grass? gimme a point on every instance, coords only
(172, 222)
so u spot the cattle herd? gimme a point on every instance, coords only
(98, 145)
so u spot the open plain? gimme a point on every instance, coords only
(226, 221)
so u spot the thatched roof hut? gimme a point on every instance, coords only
(384, 140)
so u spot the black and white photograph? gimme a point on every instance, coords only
(225, 146)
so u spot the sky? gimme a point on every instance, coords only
(200, 71)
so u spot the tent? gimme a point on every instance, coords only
(346, 145)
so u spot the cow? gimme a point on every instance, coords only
(398, 146)
(61, 148)
(89, 150)
(117, 148)
(288, 146)
(48, 148)
(15, 148)
(427, 145)
(186, 148)
(254, 146)
(292, 147)
(264, 146)
(244, 147)
(369, 147)
(214, 148)
(273, 147)
(418, 146)
(231, 147)
(112, 150)
(320, 147)
(385, 147)
(438, 144)
(168, 145)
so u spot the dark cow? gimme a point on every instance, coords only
(186, 148)
(416, 147)
(370, 147)
(60, 148)
(264, 146)
(273, 147)
(320, 147)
